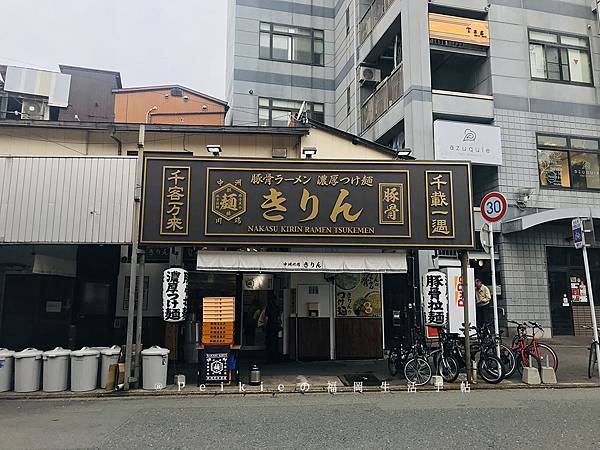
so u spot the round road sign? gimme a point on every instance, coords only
(493, 206)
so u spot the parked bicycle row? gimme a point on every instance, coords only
(493, 360)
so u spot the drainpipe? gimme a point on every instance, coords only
(355, 52)
(114, 137)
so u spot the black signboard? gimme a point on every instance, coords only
(223, 202)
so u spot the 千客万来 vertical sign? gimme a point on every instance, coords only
(175, 283)
(435, 298)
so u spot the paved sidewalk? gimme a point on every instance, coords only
(287, 377)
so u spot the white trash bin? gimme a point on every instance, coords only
(154, 365)
(84, 369)
(56, 370)
(109, 356)
(7, 358)
(28, 370)
(100, 348)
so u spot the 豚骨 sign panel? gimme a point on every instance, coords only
(219, 201)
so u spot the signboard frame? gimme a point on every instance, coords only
(203, 222)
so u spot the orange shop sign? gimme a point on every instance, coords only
(459, 29)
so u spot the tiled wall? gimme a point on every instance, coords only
(524, 273)
(520, 169)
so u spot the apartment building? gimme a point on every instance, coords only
(511, 85)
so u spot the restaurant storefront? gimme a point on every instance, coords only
(331, 243)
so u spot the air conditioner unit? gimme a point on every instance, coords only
(33, 109)
(369, 75)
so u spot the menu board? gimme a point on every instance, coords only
(358, 295)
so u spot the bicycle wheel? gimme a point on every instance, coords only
(593, 361)
(508, 360)
(393, 363)
(535, 362)
(548, 356)
(447, 368)
(417, 370)
(490, 369)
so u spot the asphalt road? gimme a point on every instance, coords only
(513, 419)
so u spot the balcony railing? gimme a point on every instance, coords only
(375, 12)
(386, 94)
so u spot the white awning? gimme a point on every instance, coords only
(302, 262)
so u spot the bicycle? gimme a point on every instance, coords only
(525, 350)
(593, 357)
(493, 344)
(489, 366)
(417, 369)
(445, 363)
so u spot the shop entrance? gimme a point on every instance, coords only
(561, 312)
(567, 288)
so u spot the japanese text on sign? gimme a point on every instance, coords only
(175, 283)
(435, 298)
(175, 201)
(440, 204)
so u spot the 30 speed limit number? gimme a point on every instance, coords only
(493, 207)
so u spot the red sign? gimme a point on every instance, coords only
(493, 206)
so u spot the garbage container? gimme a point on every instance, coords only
(154, 365)
(84, 369)
(28, 370)
(109, 356)
(56, 370)
(100, 348)
(6, 369)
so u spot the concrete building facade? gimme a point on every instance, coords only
(393, 68)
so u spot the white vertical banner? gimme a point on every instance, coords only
(435, 298)
(175, 282)
(456, 299)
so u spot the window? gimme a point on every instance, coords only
(568, 162)
(290, 43)
(557, 57)
(274, 112)
(348, 101)
(347, 21)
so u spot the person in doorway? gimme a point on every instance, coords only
(272, 328)
(483, 302)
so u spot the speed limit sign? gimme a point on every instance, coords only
(493, 207)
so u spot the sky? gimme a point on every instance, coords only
(150, 42)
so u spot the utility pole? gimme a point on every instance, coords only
(137, 195)
(464, 263)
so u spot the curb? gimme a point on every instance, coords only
(272, 391)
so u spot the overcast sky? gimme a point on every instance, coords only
(150, 42)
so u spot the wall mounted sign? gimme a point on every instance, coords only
(459, 29)
(219, 201)
(462, 141)
(358, 295)
(435, 298)
(175, 283)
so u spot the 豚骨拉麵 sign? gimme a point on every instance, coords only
(219, 201)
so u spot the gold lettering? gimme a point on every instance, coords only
(273, 203)
(314, 209)
(343, 208)
(437, 181)
(439, 226)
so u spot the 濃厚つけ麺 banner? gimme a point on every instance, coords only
(221, 201)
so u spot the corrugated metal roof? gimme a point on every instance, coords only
(66, 200)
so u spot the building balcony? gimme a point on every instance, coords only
(462, 106)
(387, 93)
(375, 24)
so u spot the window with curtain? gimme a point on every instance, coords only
(291, 43)
(557, 57)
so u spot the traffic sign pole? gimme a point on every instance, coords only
(494, 289)
(493, 208)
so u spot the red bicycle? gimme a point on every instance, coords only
(526, 346)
